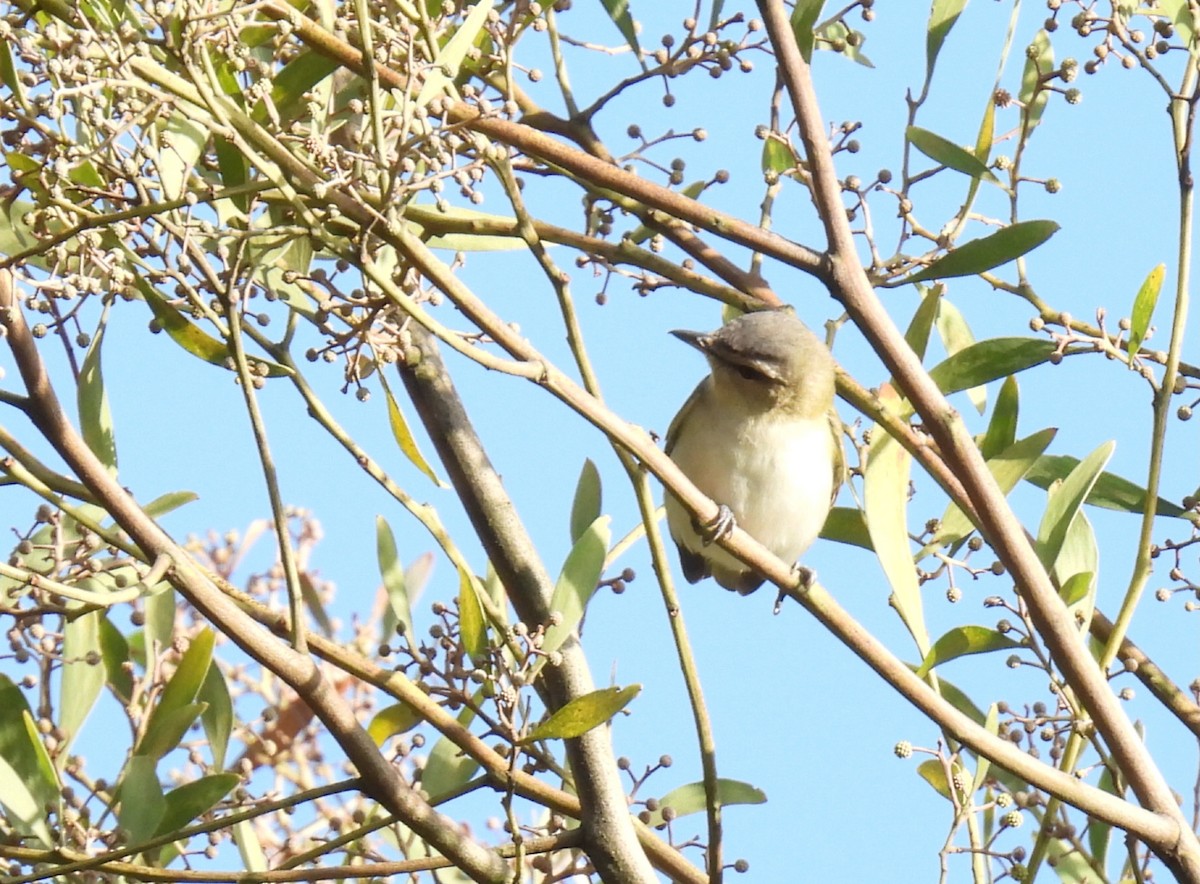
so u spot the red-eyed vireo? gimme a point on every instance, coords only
(757, 436)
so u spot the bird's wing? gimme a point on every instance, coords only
(839, 454)
(677, 421)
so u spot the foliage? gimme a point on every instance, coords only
(286, 187)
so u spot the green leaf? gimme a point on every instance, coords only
(942, 18)
(166, 730)
(1099, 833)
(1077, 587)
(957, 336)
(182, 141)
(95, 418)
(962, 641)
(618, 11)
(82, 680)
(885, 489)
(1039, 61)
(934, 773)
(15, 235)
(217, 717)
(804, 19)
(398, 718)
(142, 801)
(404, 437)
(176, 708)
(917, 333)
(447, 769)
(777, 156)
(837, 37)
(392, 573)
(451, 56)
(949, 154)
(1110, 492)
(1071, 866)
(294, 79)
(583, 713)
(254, 859)
(580, 574)
(1143, 307)
(587, 504)
(1066, 500)
(1007, 468)
(168, 503)
(472, 625)
(191, 338)
(1002, 428)
(692, 798)
(8, 75)
(988, 360)
(986, 253)
(959, 700)
(982, 764)
(192, 800)
(115, 651)
(847, 525)
(28, 782)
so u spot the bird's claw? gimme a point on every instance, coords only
(805, 579)
(711, 532)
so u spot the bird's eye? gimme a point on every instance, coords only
(751, 374)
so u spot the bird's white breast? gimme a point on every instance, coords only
(774, 472)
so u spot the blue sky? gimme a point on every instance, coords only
(794, 712)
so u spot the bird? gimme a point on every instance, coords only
(760, 436)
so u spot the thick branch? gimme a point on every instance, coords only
(609, 835)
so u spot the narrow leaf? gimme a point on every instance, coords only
(988, 360)
(847, 525)
(114, 648)
(618, 11)
(957, 336)
(447, 768)
(1002, 428)
(917, 333)
(948, 154)
(692, 798)
(986, 253)
(885, 488)
(95, 418)
(934, 773)
(471, 623)
(1065, 502)
(1039, 62)
(83, 673)
(142, 802)
(1143, 307)
(1007, 468)
(166, 730)
(451, 57)
(1077, 587)
(1110, 492)
(588, 501)
(392, 573)
(580, 574)
(583, 713)
(962, 641)
(190, 801)
(398, 718)
(942, 18)
(804, 19)
(217, 717)
(190, 336)
(28, 783)
(404, 437)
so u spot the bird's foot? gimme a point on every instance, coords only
(805, 579)
(711, 532)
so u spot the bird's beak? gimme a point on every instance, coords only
(699, 340)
